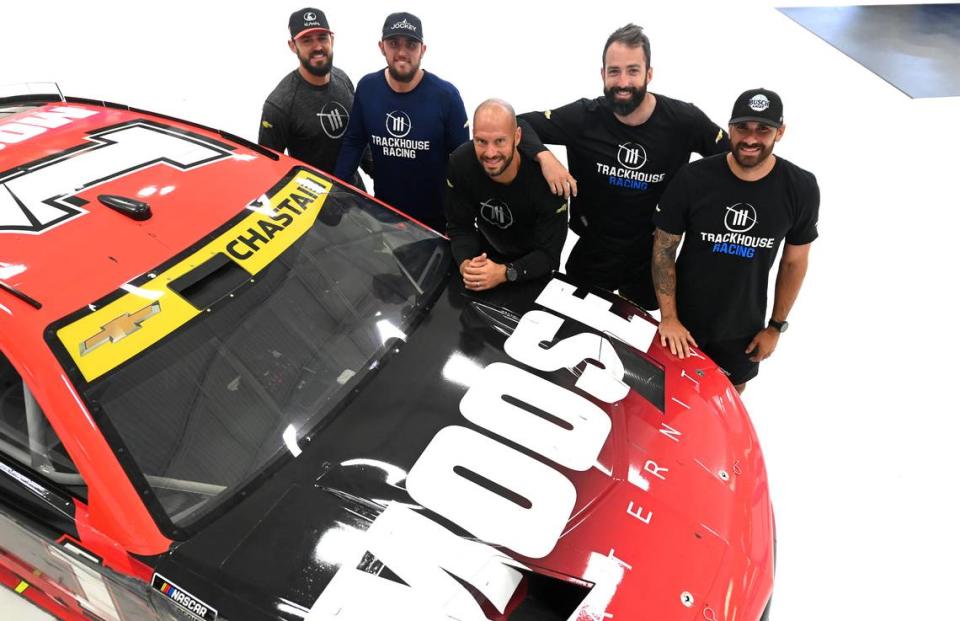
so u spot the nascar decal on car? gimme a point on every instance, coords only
(452, 477)
(109, 336)
(196, 607)
(40, 195)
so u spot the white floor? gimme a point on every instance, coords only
(856, 410)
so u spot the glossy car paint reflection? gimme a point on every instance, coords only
(670, 520)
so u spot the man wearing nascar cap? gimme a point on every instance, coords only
(734, 210)
(307, 113)
(411, 119)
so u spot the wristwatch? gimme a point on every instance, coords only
(512, 273)
(779, 326)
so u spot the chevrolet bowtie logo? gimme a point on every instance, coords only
(119, 328)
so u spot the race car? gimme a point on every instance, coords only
(234, 387)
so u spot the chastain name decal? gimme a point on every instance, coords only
(274, 224)
(430, 558)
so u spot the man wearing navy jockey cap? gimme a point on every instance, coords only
(735, 210)
(307, 113)
(410, 119)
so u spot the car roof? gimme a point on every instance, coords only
(62, 246)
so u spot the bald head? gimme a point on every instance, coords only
(496, 111)
(495, 139)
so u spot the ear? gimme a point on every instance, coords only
(423, 49)
(649, 74)
(780, 131)
(382, 50)
(292, 46)
(516, 136)
(603, 72)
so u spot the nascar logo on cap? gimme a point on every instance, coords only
(405, 25)
(759, 102)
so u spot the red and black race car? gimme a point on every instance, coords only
(232, 387)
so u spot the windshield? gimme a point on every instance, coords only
(264, 357)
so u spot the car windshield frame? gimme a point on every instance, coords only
(404, 268)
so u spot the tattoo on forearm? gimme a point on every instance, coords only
(664, 262)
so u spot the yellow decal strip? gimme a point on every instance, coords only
(109, 336)
(23, 586)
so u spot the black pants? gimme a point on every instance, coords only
(615, 265)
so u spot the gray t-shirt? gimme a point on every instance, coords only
(308, 121)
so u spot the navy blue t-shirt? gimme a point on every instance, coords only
(411, 136)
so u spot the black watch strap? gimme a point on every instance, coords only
(779, 326)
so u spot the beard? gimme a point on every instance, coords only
(749, 161)
(317, 70)
(623, 108)
(403, 77)
(506, 164)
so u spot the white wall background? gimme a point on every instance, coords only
(857, 412)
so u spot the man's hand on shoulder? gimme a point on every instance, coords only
(676, 335)
(763, 344)
(559, 179)
(480, 273)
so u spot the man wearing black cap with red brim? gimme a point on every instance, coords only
(735, 209)
(411, 120)
(307, 113)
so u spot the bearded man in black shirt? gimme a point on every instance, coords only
(504, 223)
(308, 111)
(623, 149)
(734, 211)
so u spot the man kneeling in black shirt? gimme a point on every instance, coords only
(503, 221)
(735, 210)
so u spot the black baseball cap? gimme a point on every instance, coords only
(403, 24)
(760, 105)
(307, 20)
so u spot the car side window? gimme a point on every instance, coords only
(26, 436)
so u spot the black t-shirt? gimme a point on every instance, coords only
(622, 170)
(732, 230)
(307, 120)
(521, 222)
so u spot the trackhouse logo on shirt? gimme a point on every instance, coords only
(631, 157)
(496, 212)
(399, 125)
(334, 119)
(738, 219)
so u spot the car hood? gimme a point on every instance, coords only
(674, 510)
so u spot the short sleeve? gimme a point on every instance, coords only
(672, 212)
(804, 229)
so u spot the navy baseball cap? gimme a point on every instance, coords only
(758, 105)
(403, 25)
(308, 20)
